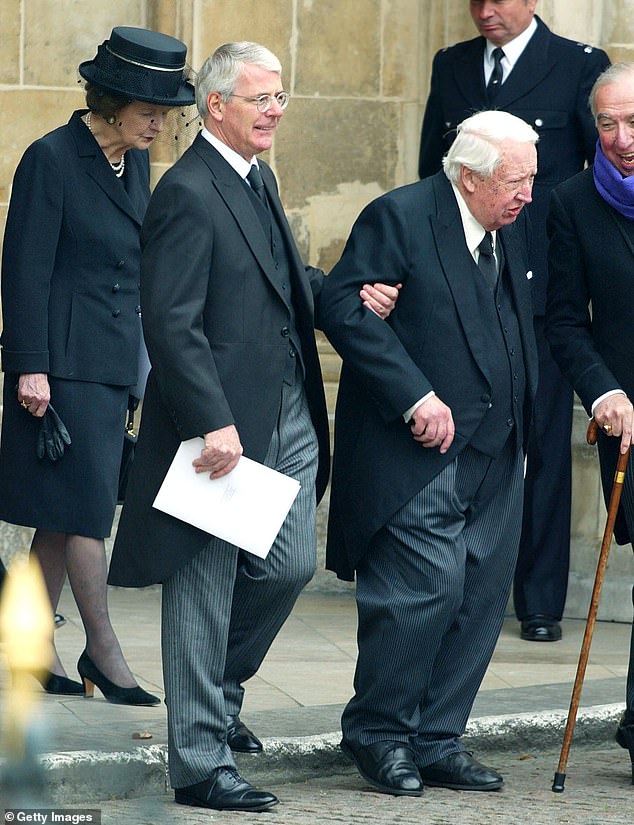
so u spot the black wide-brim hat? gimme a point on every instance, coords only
(140, 64)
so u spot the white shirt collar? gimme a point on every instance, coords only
(236, 161)
(512, 51)
(473, 230)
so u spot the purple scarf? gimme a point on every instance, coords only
(612, 186)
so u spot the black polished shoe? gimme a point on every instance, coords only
(461, 772)
(539, 628)
(59, 685)
(91, 676)
(225, 790)
(240, 739)
(388, 766)
(625, 735)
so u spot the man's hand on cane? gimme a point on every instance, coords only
(615, 416)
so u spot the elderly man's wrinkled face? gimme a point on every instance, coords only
(502, 20)
(614, 105)
(497, 201)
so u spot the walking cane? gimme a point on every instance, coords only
(615, 497)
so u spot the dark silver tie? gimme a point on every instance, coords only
(495, 81)
(257, 184)
(486, 261)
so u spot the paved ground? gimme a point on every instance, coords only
(295, 703)
(597, 793)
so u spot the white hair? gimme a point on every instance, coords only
(479, 139)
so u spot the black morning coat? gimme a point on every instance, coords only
(432, 341)
(216, 326)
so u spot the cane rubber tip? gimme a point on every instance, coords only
(558, 782)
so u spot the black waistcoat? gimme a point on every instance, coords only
(503, 345)
(283, 281)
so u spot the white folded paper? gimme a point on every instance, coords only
(246, 507)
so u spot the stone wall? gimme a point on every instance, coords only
(358, 73)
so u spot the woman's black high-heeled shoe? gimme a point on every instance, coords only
(625, 735)
(59, 685)
(92, 676)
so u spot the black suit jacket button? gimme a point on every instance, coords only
(509, 422)
(116, 313)
(115, 287)
(285, 332)
(485, 398)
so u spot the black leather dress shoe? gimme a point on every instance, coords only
(225, 790)
(625, 735)
(388, 766)
(240, 739)
(461, 772)
(540, 628)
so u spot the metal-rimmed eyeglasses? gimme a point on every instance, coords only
(264, 102)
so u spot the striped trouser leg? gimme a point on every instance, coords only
(455, 539)
(265, 590)
(222, 611)
(491, 538)
(196, 608)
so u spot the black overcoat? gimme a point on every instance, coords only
(590, 296)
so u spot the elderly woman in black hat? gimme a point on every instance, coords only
(72, 335)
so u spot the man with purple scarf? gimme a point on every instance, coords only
(591, 261)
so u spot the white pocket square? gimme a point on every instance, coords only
(529, 274)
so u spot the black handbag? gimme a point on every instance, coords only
(127, 454)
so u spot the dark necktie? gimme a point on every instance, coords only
(495, 81)
(257, 184)
(486, 261)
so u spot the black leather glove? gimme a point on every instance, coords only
(53, 437)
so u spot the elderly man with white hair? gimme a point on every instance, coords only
(432, 420)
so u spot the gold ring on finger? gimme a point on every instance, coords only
(607, 428)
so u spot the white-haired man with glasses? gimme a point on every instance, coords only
(228, 314)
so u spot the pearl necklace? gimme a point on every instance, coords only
(119, 167)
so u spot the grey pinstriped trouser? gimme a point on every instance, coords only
(222, 611)
(431, 595)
